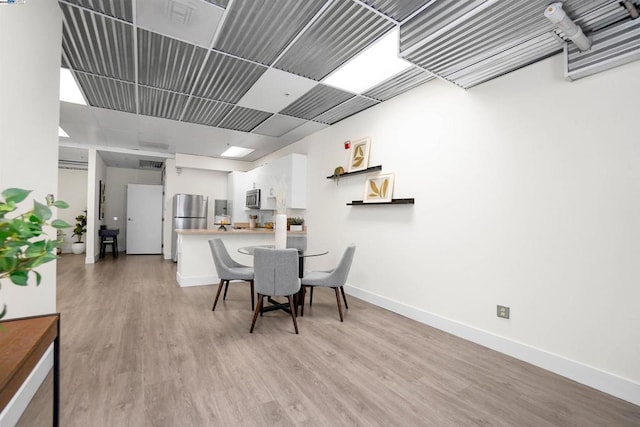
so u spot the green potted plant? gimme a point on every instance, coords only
(81, 227)
(295, 224)
(22, 247)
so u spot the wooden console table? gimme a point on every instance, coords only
(23, 342)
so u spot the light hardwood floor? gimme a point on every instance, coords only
(138, 350)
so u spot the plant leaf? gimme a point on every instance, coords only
(19, 277)
(8, 263)
(38, 278)
(58, 223)
(4, 311)
(15, 195)
(357, 161)
(35, 249)
(60, 204)
(41, 211)
(383, 188)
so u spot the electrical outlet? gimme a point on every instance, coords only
(503, 311)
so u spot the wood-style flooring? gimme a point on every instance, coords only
(138, 350)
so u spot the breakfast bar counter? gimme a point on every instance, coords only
(195, 263)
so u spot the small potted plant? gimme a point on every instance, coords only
(81, 227)
(23, 243)
(295, 224)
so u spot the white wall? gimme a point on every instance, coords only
(72, 188)
(97, 172)
(190, 181)
(526, 193)
(116, 199)
(29, 116)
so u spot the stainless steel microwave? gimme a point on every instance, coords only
(253, 199)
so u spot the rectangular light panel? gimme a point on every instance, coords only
(370, 67)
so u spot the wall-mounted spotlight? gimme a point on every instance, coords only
(557, 15)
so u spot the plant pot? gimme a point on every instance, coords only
(78, 248)
(294, 227)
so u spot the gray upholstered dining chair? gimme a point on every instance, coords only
(335, 278)
(276, 275)
(297, 241)
(228, 270)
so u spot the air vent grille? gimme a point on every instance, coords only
(150, 164)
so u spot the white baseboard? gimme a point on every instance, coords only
(19, 402)
(584, 374)
(185, 281)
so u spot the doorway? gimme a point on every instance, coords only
(144, 219)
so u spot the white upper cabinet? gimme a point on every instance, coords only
(286, 176)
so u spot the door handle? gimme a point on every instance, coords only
(129, 219)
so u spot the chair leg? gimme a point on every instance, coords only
(226, 288)
(339, 304)
(293, 313)
(311, 297)
(253, 303)
(215, 301)
(255, 313)
(344, 297)
(303, 295)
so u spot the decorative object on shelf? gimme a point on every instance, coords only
(408, 201)
(281, 231)
(367, 170)
(81, 227)
(378, 188)
(22, 248)
(295, 223)
(359, 156)
(337, 173)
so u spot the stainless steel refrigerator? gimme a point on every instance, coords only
(189, 212)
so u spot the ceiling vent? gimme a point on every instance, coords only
(150, 164)
(73, 165)
(611, 47)
(179, 12)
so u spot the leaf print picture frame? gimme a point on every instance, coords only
(379, 188)
(359, 156)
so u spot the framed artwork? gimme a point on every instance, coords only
(379, 188)
(101, 198)
(359, 156)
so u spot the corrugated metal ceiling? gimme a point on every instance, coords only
(123, 67)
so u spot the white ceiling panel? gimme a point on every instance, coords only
(277, 125)
(274, 90)
(193, 21)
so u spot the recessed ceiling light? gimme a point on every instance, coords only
(370, 67)
(69, 90)
(62, 133)
(236, 152)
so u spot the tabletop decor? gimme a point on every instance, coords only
(22, 248)
(379, 188)
(281, 219)
(359, 156)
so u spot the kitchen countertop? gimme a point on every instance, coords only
(233, 231)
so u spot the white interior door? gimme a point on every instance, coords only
(144, 219)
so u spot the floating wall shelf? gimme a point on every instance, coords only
(367, 170)
(410, 201)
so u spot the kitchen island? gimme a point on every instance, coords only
(195, 263)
